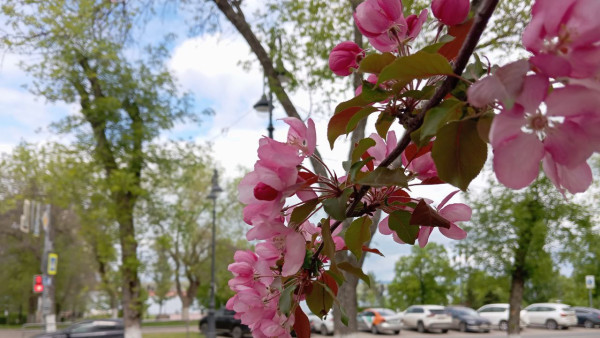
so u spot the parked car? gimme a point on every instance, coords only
(466, 319)
(427, 317)
(326, 326)
(314, 321)
(587, 317)
(497, 314)
(379, 320)
(225, 323)
(105, 328)
(551, 315)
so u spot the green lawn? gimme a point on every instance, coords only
(193, 323)
(173, 335)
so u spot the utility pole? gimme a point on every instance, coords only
(48, 294)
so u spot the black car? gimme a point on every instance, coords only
(225, 323)
(466, 319)
(587, 316)
(105, 328)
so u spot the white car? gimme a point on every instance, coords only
(314, 321)
(325, 326)
(379, 320)
(498, 315)
(551, 315)
(427, 317)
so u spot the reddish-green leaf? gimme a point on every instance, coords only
(459, 32)
(399, 222)
(357, 233)
(383, 124)
(346, 266)
(484, 124)
(420, 65)
(301, 212)
(319, 300)
(336, 207)
(328, 244)
(449, 110)
(459, 153)
(360, 148)
(425, 215)
(301, 323)
(358, 116)
(330, 282)
(338, 122)
(383, 177)
(374, 63)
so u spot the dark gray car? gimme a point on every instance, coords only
(105, 328)
(466, 319)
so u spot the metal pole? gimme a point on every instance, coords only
(590, 294)
(48, 293)
(211, 311)
(270, 128)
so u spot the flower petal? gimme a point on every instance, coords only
(517, 160)
(454, 232)
(457, 212)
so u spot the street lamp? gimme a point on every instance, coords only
(265, 105)
(214, 191)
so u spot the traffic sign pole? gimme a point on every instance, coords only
(590, 284)
(48, 259)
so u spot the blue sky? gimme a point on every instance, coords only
(208, 67)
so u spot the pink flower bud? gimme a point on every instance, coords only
(450, 12)
(344, 57)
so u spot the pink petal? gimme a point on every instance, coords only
(454, 232)
(446, 199)
(384, 227)
(573, 100)
(486, 91)
(512, 76)
(575, 180)
(370, 18)
(457, 212)
(506, 126)
(551, 65)
(295, 250)
(517, 160)
(424, 233)
(568, 144)
(534, 91)
(383, 43)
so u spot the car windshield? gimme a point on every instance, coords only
(438, 311)
(566, 308)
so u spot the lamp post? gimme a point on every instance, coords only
(265, 105)
(214, 191)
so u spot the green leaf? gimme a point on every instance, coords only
(371, 93)
(300, 213)
(420, 65)
(354, 173)
(459, 153)
(399, 222)
(346, 266)
(285, 299)
(338, 122)
(449, 110)
(357, 233)
(319, 300)
(336, 207)
(357, 101)
(434, 48)
(374, 63)
(383, 124)
(328, 244)
(336, 274)
(423, 94)
(358, 116)
(484, 124)
(360, 148)
(382, 177)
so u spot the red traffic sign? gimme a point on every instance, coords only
(38, 285)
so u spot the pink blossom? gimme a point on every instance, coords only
(382, 22)
(564, 36)
(450, 12)
(503, 86)
(415, 23)
(420, 164)
(382, 148)
(302, 136)
(345, 57)
(457, 212)
(524, 135)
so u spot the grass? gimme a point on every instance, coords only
(193, 323)
(172, 335)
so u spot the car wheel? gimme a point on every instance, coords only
(445, 331)
(588, 324)
(324, 330)
(503, 326)
(421, 327)
(374, 329)
(204, 328)
(551, 324)
(462, 327)
(397, 332)
(237, 332)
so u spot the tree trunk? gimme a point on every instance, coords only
(185, 312)
(132, 303)
(516, 297)
(32, 307)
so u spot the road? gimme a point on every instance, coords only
(529, 332)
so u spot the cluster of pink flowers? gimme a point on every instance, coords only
(258, 276)
(550, 103)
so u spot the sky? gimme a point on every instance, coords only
(208, 67)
